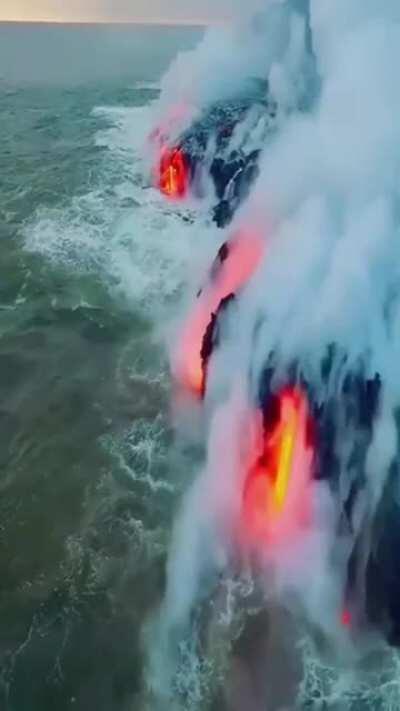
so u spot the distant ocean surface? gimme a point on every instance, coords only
(78, 53)
(89, 256)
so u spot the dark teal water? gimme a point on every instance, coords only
(88, 477)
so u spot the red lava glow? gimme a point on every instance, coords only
(276, 501)
(173, 178)
(345, 618)
(245, 252)
(171, 172)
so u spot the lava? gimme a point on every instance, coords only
(276, 500)
(173, 177)
(243, 255)
(345, 617)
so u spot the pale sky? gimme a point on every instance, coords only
(122, 10)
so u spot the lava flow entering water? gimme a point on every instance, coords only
(276, 501)
(173, 173)
(243, 255)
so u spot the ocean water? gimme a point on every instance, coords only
(90, 259)
(92, 266)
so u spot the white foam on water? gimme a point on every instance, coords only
(370, 687)
(141, 453)
(127, 128)
(147, 251)
(147, 85)
(123, 230)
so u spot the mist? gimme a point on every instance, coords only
(78, 54)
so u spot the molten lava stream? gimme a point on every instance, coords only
(245, 252)
(276, 500)
(173, 173)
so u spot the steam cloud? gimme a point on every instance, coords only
(327, 203)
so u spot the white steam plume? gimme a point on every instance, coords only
(328, 193)
(271, 45)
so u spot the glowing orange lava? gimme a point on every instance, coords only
(245, 252)
(173, 179)
(276, 497)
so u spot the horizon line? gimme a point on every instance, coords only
(138, 21)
